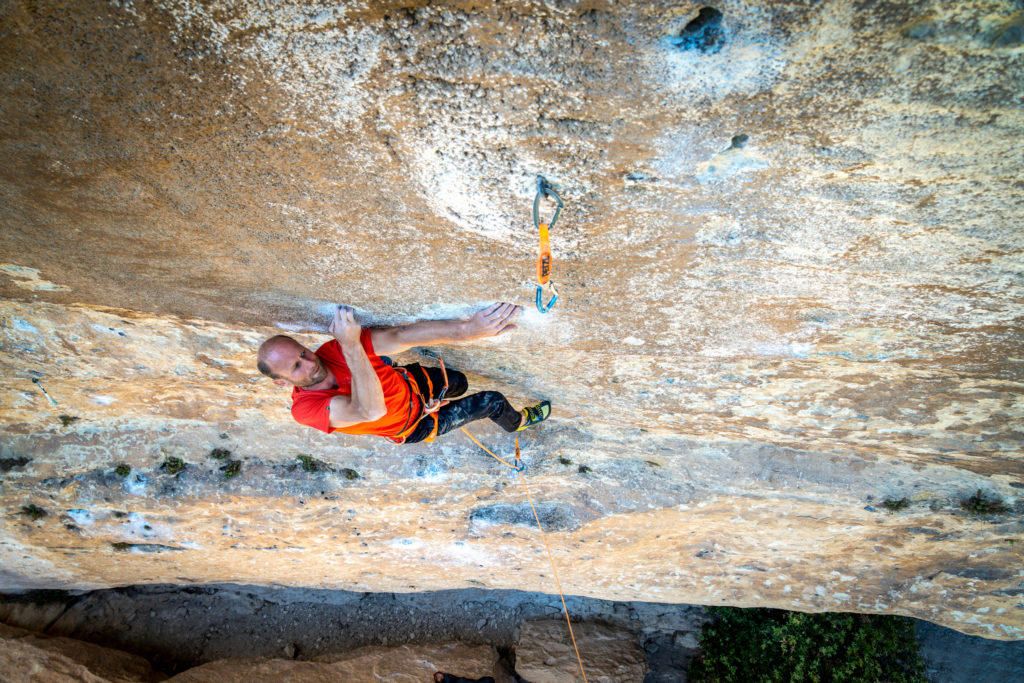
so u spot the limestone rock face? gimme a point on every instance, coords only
(790, 290)
(610, 654)
(405, 664)
(32, 657)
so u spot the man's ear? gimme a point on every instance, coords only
(280, 382)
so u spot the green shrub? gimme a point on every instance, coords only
(308, 463)
(980, 504)
(894, 505)
(220, 453)
(122, 470)
(232, 468)
(33, 511)
(768, 645)
(173, 465)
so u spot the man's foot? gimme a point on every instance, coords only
(534, 414)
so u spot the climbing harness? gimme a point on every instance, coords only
(428, 406)
(518, 467)
(544, 189)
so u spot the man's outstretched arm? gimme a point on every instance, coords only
(490, 322)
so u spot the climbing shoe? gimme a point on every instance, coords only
(535, 414)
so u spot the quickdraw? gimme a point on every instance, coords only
(35, 380)
(518, 467)
(544, 189)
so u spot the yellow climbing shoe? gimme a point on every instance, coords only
(535, 414)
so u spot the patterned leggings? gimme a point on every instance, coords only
(477, 406)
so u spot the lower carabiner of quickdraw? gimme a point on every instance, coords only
(540, 298)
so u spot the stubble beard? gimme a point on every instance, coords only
(315, 379)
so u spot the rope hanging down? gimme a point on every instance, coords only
(544, 189)
(518, 467)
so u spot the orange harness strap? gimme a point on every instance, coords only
(428, 406)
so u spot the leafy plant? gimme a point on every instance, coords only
(351, 475)
(122, 470)
(564, 460)
(980, 504)
(308, 463)
(66, 420)
(894, 505)
(232, 468)
(173, 465)
(583, 469)
(778, 646)
(33, 511)
(220, 453)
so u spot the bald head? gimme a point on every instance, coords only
(272, 347)
(287, 361)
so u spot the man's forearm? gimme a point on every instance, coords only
(367, 394)
(427, 332)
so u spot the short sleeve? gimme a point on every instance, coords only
(366, 339)
(313, 409)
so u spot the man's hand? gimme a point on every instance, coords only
(345, 328)
(493, 320)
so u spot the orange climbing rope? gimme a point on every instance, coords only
(519, 469)
(503, 462)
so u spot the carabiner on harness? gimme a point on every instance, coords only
(434, 404)
(544, 189)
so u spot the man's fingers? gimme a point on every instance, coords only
(507, 328)
(506, 314)
(344, 314)
(510, 311)
(500, 311)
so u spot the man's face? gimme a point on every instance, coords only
(296, 365)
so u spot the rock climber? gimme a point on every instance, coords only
(345, 386)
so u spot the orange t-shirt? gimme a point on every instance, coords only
(312, 408)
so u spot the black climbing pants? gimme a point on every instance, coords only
(460, 412)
